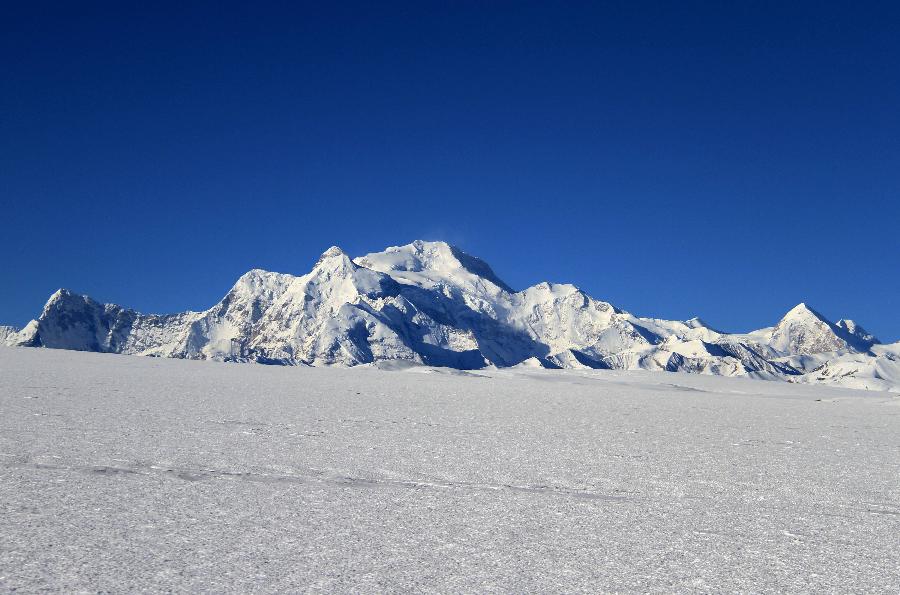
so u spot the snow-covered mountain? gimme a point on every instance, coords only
(431, 303)
(6, 331)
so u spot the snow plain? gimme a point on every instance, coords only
(124, 473)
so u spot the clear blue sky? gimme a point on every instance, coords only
(676, 159)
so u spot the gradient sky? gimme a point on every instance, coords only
(675, 159)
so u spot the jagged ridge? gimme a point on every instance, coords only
(431, 303)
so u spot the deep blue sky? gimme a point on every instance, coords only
(674, 159)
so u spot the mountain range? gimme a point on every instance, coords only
(430, 303)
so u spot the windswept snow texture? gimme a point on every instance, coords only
(431, 303)
(125, 474)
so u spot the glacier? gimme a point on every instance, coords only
(432, 304)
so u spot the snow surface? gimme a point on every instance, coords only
(147, 474)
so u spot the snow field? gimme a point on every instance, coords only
(144, 474)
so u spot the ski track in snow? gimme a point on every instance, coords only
(123, 473)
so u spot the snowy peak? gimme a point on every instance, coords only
(553, 296)
(857, 335)
(335, 273)
(432, 261)
(61, 295)
(259, 279)
(65, 300)
(802, 313)
(258, 285)
(6, 332)
(72, 321)
(333, 252)
(414, 258)
(334, 259)
(698, 323)
(339, 279)
(546, 288)
(804, 331)
(253, 293)
(561, 295)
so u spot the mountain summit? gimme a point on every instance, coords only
(436, 262)
(431, 303)
(804, 331)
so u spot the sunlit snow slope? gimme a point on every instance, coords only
(128, 474)
(431, 303)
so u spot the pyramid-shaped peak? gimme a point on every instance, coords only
(804, 331)
(803, 312)
(59, 294)
(332, 252)
(334, 257)
(800, 308)
(63, 296)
